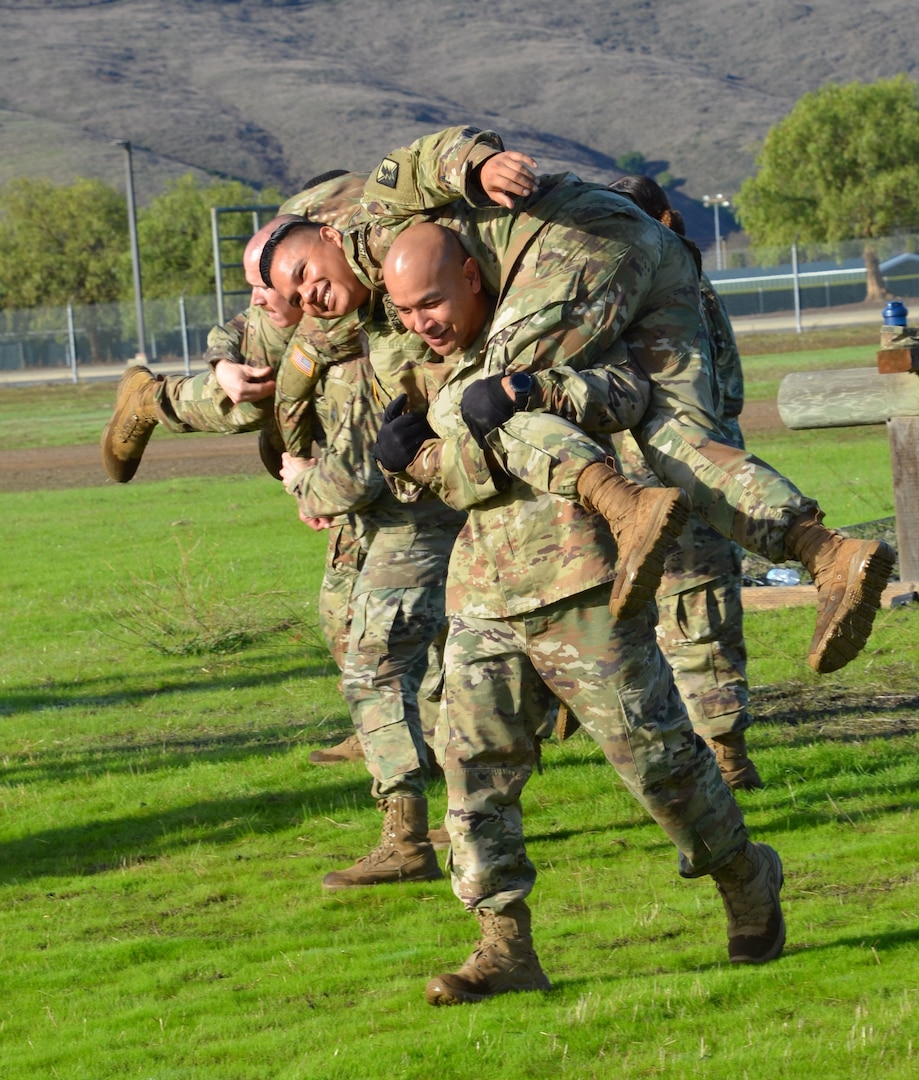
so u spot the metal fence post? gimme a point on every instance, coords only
(183, 323)
(72, 342)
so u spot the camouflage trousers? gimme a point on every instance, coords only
(500, 676)
(700, 632)
(398, 624)
(740, 496)
(199, 403)
(737, 493)
(345, 556)
(545, 452)
(700, 617)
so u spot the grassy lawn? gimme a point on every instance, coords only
(163, 835)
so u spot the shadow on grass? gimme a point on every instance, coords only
(157, 754)
(114, 845)
(79, 693)
(889, 940)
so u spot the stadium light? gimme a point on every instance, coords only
(716, 201)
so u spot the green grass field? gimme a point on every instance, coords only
(163, 836)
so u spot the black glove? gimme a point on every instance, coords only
(401, 436)
(485, 406)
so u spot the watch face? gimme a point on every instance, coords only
(521, 382)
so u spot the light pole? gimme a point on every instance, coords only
(716, 201)
(135, 254)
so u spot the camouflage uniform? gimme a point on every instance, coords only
(397, 600)
(381, 604)
(700, 610)
(581, 273)
(529, 622)
(199, 403)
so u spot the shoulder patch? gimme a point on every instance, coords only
(303, 361)
(388, 173)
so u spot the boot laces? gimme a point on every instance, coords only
(135, 424)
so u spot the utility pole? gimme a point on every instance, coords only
(135, 254)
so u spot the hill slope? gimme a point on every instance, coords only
(273, 92)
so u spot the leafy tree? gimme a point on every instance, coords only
(841, 165)
(60, 244)
(631, 162)
(174, 234)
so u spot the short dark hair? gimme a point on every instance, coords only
(295, 221)
(332, 174)
(647, 194)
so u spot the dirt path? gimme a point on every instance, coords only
(81, 466)
(194, 455)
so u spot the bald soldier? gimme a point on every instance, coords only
(573, 281)
(529, 622)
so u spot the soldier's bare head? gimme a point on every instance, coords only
(276, 308)
(436, 287)
(304, 261)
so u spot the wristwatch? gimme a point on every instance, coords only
(522, 385)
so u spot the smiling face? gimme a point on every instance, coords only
(309, 268)
(436, 288)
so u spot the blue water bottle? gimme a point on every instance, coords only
(895, 314)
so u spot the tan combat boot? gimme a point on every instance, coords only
(503, 961)
(135, 416)
(566, 723)
(403, 854)
(737, 769)
(644, 522)
(749, 887)
(349, 749)
(850, 576)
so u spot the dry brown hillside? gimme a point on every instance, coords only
(273, 92)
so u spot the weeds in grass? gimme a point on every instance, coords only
(185, 611)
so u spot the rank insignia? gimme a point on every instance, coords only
(388, 173)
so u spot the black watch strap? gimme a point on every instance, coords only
(522, 385)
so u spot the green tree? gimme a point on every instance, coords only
(63, 245)
(60, 244)
(174, 234)
(841, 165)
(631, 162)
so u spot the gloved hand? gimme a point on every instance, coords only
(485, 406)
(401, 436)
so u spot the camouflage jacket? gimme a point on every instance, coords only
(243, 340)
(346, 478)
(299, 354)
(520, 549)
(578, 271)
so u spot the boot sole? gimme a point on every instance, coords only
(438, 993)
(633, 590)
(856, 601)
(122, 470)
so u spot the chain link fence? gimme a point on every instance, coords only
(756, 281)
(762, 281)
(80, 335)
